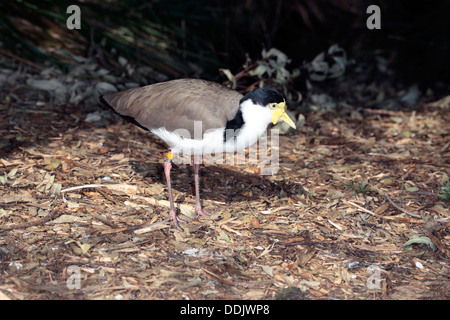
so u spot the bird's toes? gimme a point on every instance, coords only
(176, 220)
(204, 213)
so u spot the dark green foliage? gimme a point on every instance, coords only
(360, 188)
(445, 191)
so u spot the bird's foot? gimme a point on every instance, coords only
(176, 220)
(200, 211)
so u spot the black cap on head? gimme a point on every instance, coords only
(264, 96)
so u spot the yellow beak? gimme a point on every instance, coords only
(279, 112)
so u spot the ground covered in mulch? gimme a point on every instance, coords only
(352, 213)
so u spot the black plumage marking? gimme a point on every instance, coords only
(233, 126)
(263, 96)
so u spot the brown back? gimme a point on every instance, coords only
(177, 104)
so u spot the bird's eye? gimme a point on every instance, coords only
(272, 106)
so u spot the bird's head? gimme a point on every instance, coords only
(272, 99)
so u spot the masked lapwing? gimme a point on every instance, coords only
(197, 117)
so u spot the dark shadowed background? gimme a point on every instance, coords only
(196, 37)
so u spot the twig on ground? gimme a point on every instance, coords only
(383, 217)
(103, 220)
(401, 209)
(83, 187)
(48, 217)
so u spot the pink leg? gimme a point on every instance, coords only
(198, 206)
(172, 212)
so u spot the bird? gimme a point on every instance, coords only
(196, 117)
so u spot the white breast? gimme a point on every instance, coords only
(180, 142)
(256, 119)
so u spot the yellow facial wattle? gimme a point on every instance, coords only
(279, 112)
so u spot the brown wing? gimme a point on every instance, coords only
(177, 104)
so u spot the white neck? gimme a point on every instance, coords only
(256, 119)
